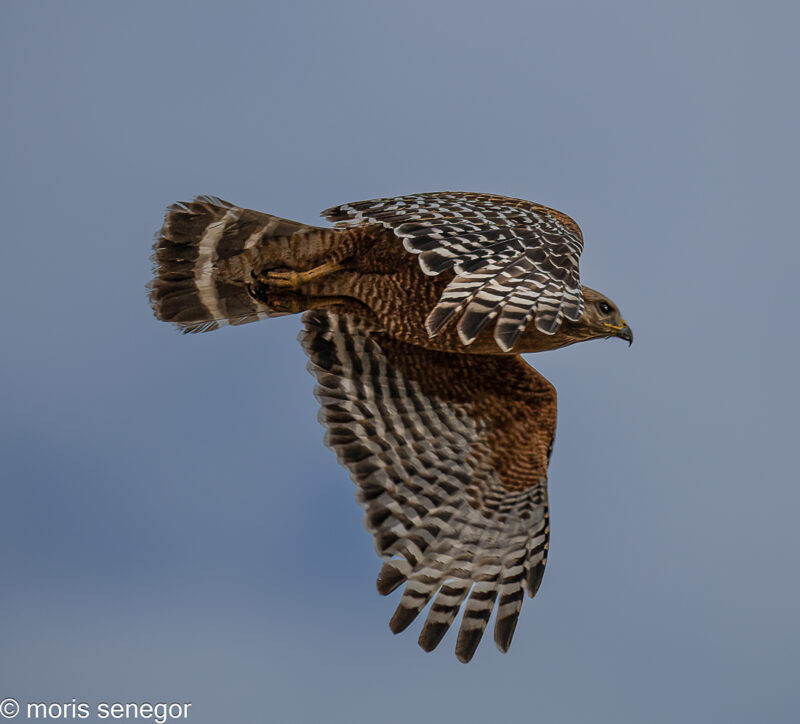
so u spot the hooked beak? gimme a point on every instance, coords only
(623, 331)
(626, 333)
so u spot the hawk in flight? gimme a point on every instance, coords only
(416, 311)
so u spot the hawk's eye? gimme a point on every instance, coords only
(605, 307)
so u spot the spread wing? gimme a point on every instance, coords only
(513, 260)
(449, 454)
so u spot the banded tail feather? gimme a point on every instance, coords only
(203, 260)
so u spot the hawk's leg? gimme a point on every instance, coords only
(286, 301)
(294, 279)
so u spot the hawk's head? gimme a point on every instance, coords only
(601, 319)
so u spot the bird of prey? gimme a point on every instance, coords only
(416, 310)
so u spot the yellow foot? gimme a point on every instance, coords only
(294, 279)
(286, 301)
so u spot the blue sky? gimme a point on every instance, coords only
(173, 528)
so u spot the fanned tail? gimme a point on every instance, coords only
(204, 258)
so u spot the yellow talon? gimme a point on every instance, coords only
(293, 279)
(288, 279)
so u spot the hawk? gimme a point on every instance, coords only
(416, 312)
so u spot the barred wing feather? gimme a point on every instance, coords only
(514, 261)
(449, 454)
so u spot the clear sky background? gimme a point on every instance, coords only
(173, 528)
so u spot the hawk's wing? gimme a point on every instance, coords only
(449, 453)
(513, 259)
